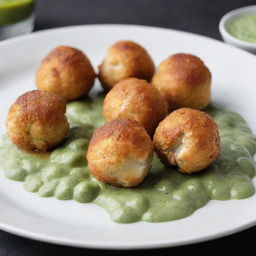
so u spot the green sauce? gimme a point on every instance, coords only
(164, 195)
(13, 11)
(244, 28)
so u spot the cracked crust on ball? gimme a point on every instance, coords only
(187, 138)
(120, 153)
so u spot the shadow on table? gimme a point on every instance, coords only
(242, 243)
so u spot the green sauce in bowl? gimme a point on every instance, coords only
(14, 11)
(244, 28)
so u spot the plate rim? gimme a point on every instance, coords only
(72, 27)
(107, 245)
(112, 246)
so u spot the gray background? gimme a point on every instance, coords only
(197, 16)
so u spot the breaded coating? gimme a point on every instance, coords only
(125, 59)
(187, 138)
(184, 81)
(37, 121)
(120, 153)
(66, 71)
(135, 99)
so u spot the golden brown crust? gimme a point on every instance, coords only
(37, 121)
(120, 153)
(187, 138)
(138, 100)
(120, 130)
(125, 59)
(184, 81)
(40, 105)
(66, 71)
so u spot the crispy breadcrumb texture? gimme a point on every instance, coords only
(135, 99)
(125, 59)
(120, 153)
(37, 121)
(66, 71)
(187, 138)
(184, 81)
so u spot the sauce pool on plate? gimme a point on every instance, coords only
(164, 195)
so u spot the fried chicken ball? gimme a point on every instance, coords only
(37, 121)
(120, 153)
(138, 100)
(187, 138)
(125, 59)
(184, 81)
(67, 72)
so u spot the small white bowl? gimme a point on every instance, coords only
(229, 17)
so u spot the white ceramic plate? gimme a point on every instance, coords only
(86, 225)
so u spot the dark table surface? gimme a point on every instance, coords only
(197, 16)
